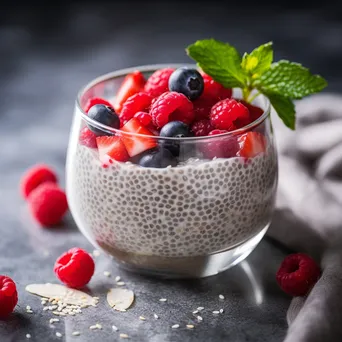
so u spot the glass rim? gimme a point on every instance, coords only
(152, 68)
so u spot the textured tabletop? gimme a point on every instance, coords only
(46, 55)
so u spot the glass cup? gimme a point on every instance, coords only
(202, 210)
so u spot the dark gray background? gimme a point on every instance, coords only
(46, 54)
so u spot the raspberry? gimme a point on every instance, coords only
(202, 107)
(201, 128)
(221, 147)
(35, 176)
(214, 90)
(144, 118)
(8, 296)
(254, 111)
(297, 274)
(88, 138)
(48, 204)
(158, 82)
(172, 106)
(136, 103)
(75, 268)
(229, 114)
(94, 101)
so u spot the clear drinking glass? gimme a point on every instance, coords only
(193, 219)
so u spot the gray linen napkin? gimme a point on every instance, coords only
(308, 217)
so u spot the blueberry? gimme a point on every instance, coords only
(174, 129)
(188, 82)
(158, 158)
(105, 115)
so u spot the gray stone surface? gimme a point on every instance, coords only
(46, 55)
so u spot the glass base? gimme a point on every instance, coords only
(184, 267)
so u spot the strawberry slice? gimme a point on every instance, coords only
(132, 84)
(111, 147)
(135, 145)
(251, 144)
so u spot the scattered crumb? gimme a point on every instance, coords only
(28, 307)
(93, 327)
(221, 311)
(120, 283)
(190, 326)
(216, 312)
(199, 318)
(117, 278)
(58, 334)
(115, 328)
(76, 333)
(175, 326)
(28, 336)
(124, 336)
(106, 273)
(162, 299)
(156, 316)
(96, 253)
(142, 318)
(221, 297)
(195, 312)
(98, 326)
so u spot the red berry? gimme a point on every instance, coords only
(137, 144)
(220, 147)
(35, 176)
(254, 111)
(229, 114)
(158, 82)
(48, 204)
(8, 296)
(132, 84)
(144, 118)
(88, 138)
(172, 106)
(202, 107)
(136, 103)
(251, 144)
(201, 128)
(214, 90)
(75, 268)
(94, 101)
(111, 147)
(297, 274)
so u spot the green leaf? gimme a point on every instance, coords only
(219, 60)
(259, 60)
(289, 80)
(284, 108)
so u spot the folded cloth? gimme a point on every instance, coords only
(308, 217)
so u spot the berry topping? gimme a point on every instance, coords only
(251, 144)
(94, 101)
(188, 82)
(132, 84)
(88, 138)
(111, 147)
(136, 144)
(297, 274)
(254, 111)
(158, 158)
(221, 147)
(144, 118)
(105, 115)
(8, 296)
(172, 106)
(158, 82)
(175, 129)
(229, 114)
(202, 107)
(214, 90)
(201, 128)
(135, 103)
(48, 204)
(35, 176)
(75, 268)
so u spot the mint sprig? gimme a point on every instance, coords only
(255, 73)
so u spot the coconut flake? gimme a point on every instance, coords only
(120, 299)
(63, 293)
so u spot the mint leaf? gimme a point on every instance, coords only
(284, 108)
(259, 60)
(289, 80)
(219, 60)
